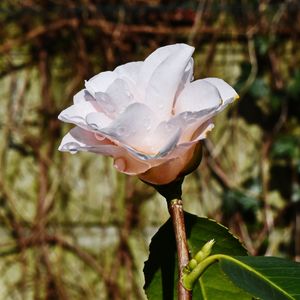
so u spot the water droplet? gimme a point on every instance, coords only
(109, 108)
(185, 115)
(188, 117)
(93, 125)
(121, 130)
(120, 164)
(72, 147)
(147, 123)
(169, 127)
(99, 137)
(191, 120)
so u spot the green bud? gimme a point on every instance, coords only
(192, 264)
(205, 251)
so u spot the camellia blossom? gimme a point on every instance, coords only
(148, 115)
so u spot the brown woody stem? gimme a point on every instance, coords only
(176, 212)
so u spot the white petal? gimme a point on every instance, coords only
(97, 120)
(82, 96)
(197, 96)
(118, 97)
(228, 94)
(187, 77)
(81, 140)
(77, 138)
(132, 126)
(100, 82)
(194, 121)
(165, 80)
(163, 139)
(77, 113)
(155, 59)
(130, 70)
(152, 62)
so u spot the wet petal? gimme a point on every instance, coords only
(100, 82)
(165, 80)
(172, 166)
(97, 120)
(132, 126)
(82, 96)
(117, 97)
(79, 139)
(197, 96)
(164, 138)
(76, 113)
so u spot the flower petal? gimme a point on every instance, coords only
(97, 120)
(165, 80)
(116, 98)
(152, 62)
(228, 94)
(187, 77)
(164, 139)
(82, 96)
(100, 82)
(79, 139)
(197, 96)
(129, 71)
(132, 127)
(76, 113)
(172, 166)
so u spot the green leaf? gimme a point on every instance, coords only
(268, 278)
(161, 268)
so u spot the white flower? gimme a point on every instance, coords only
(148, 115)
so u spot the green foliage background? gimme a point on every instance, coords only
(71, 227)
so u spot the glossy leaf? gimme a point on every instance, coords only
(268, 278)
(161, 268)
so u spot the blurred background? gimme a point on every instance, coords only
(71, 227)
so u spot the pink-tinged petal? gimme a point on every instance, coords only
(132, 127)
(79, 139)
(165, 80)
(228, 94)
(184, 157)
(76, 113)
(100, 82)
(202, 131)
(82, 96)
(197, 96)
(129, 71)
(116, 98)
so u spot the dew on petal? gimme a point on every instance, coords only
(147, 123)
(120, 164)
(169, 127)
(99, 137)
(94, 126)
(72, 147)
(110, 108)
(121, 131)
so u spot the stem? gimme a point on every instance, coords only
(176, 212)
